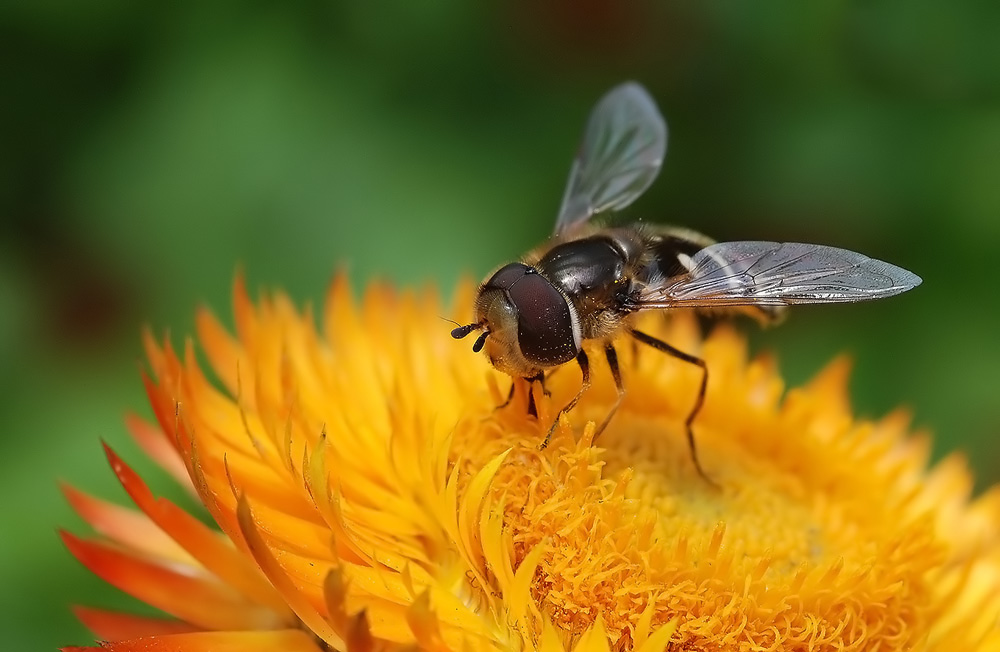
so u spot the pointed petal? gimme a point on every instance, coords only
(265, 559)
(289, 640)
(128, 527)
(518, 598)
(594, 639)
(222, 350)
(113, 626)
(245, 311)
(470, 510)
(644, 625)
(425, 625)
(359, 635)
(660, 639)
(159, 448)
(216, 554)
(550, 641)
(185, 592)
(164, 408)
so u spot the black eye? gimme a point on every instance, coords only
(508, 275)
(545, 329)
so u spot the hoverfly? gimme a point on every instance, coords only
(586, 282)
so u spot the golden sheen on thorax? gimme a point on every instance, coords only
(587, 282)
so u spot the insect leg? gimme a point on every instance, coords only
(581, 359)
(510, 396)
(660, 345)
(540, 377)
(612, 356)
(532, 408)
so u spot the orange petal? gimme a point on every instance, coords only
(129, 527)
(222, 350)
(295, 598)
(244, 310)
(159, 448)
(154, 354)
(204, 544)
(359, 636)
(289, 640)
(425, 625)
(163, 408)
(112, 626)
(185, 592)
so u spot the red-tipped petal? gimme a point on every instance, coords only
(185, 592)
(113, 626)
(129, 527)
(214, 553)
(289, 640)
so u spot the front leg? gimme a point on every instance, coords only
(540, 377)
(581, 359)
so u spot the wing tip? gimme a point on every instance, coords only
(910, 280)
(901, 280)
(631, 86)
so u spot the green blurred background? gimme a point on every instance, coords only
(148, 148)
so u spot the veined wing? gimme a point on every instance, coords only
(621, 154)
(777, 274)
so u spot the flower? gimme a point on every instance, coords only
(371, 496)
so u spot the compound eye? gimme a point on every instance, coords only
(546, 331)
(508, 275)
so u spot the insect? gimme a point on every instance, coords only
(586, 282)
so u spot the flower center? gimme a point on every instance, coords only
(630, 530)
(633, 524)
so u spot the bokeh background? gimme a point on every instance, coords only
(148, 148)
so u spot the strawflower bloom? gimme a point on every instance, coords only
(369, 496)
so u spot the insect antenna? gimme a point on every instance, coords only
(462, 331)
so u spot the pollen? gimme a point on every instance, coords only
(819, 534)
(369, 494)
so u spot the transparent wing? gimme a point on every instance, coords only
(621, 154)
(777, 274)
